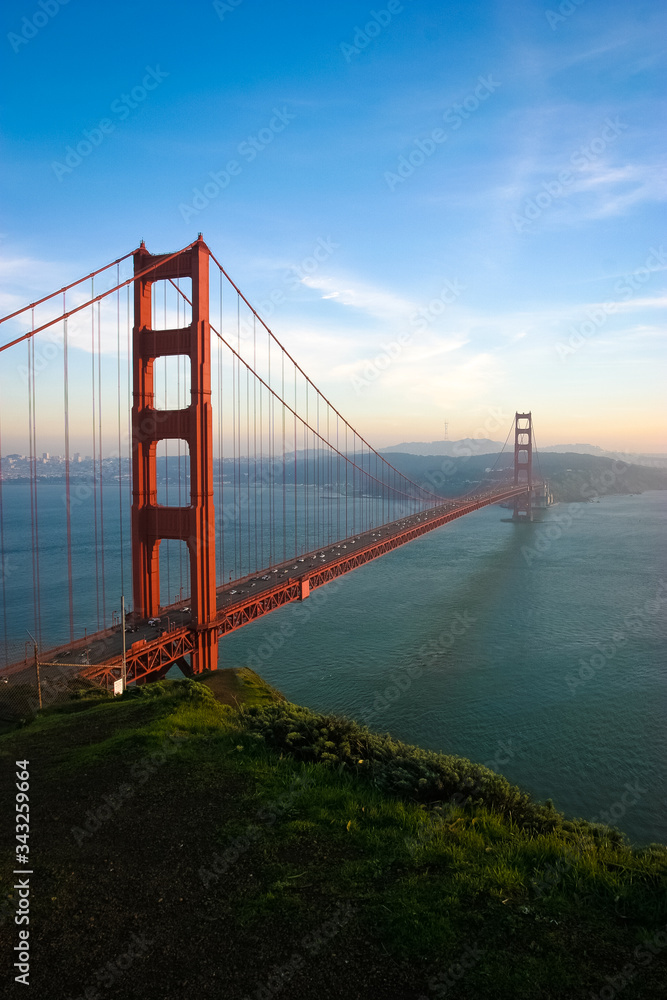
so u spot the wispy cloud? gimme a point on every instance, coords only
(374, 301)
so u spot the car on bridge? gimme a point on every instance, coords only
(154, 621)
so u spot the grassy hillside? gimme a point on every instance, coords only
(213, 840)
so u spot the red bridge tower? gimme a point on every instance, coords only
(523, 465)
(151, 522)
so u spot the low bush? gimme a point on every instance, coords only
(423, 776)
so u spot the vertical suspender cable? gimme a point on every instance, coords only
(261, 472)
(166, 456)
(284, 485)
(32, 426)
(68, 497)
(234, 469)
(318, 526)
(3, 572)
(298, 548)
(178, 443)
(129, 401)
(99, 403)
(354, 482)
(237, 495)
(120, 460)
(337, 479)
(346, 493)
(31, 466)
(307, 476)
(247, 405)
(269, 434)
(254, 434)
(92, 375)
(220, 451)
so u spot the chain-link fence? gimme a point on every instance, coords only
(24, 692)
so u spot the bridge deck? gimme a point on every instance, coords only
(152, 650)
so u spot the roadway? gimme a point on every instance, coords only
(262, 592)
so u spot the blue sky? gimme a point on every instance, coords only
(483, 184)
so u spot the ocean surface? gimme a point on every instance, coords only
(538, 649)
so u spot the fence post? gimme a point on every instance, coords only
(39, 683)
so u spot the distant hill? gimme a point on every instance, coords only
(485, 446)
(479, 446)
(572, 476)
(654, 459)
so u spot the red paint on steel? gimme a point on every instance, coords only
(148, 658)
(98, 298)
(193, 524)
(66, 288)
(523, 465)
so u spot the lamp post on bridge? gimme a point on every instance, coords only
(122, 614)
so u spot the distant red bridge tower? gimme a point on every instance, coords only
(523, 465)
(151, 522)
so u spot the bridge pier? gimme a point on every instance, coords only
(205, 655)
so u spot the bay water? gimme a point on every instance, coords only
(537, 649)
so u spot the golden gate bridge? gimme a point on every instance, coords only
(223, 448)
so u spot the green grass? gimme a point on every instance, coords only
(434, 854)
(241, 686)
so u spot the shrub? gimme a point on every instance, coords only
(399, 769)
